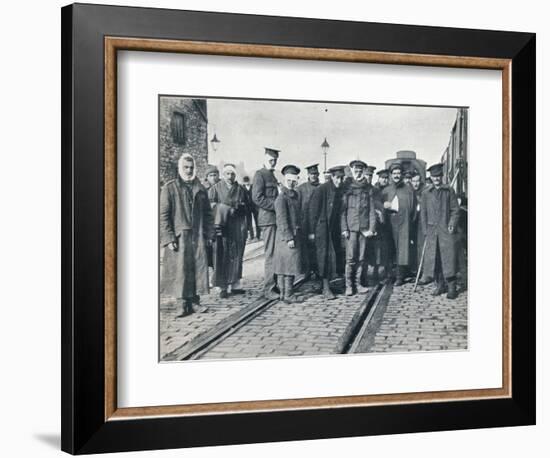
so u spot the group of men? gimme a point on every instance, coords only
(343, 227)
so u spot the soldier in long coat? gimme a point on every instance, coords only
(309, 253)
(357, 225)
(289, 241)
(325, 215)
(379, 252)
(439, 214)
(229, 204)
(400, 207)
(186, 228)
(264, 192)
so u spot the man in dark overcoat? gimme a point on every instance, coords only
(380, 250)
(399, 204)
(264, 192)
(305, 190)
(357, 225)
(252, 213)
(211, 177)
(439, 214)
(289, 240)
(186, 229)
(325, 216)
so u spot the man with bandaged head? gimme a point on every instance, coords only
(186, 229)
(229, 204)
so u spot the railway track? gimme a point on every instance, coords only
(350, 341)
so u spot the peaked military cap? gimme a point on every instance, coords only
(407, 174)
(272, 152)
(370, 169)
(396, 165)
(383, 173)
(358, 162)
(436, 170)
(292, 169)
(313, 168)
(336, 169)
(415, 173)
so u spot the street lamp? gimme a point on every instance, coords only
(215, 142)
(325, 146)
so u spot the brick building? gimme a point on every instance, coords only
(183, 129)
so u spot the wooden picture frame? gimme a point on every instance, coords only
(91, 37)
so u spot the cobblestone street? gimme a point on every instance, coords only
(418, 322)
(402, 321)
(314, 327)
(175, 332)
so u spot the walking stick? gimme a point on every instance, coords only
(420, 265)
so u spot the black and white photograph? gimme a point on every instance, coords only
(293, 228)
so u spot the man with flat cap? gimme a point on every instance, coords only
(439, 214)
(229, 204)
(287, 262)
(211, 176)
(325, 212)
(357, 225)
(407, 177)
(399, 203)
(417, 235)
(305, 190)
(264, 192)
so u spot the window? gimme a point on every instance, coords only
(178, 127)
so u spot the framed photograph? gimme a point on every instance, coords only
(284, 228)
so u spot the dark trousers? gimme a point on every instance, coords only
(356, 248)
(268, 236)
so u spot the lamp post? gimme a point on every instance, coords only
(215, 142)
(325, 146)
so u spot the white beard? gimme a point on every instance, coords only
(180, 171)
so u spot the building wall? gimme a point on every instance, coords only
(195, 130)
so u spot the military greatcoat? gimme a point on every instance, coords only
(185, 219)
(439, 210)
(325, 214)
(288, 261)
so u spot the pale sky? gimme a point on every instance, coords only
(372, 133)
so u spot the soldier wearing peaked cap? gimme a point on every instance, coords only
(407, 177)
(289, 239)
(324, 216)
(358, 225)
(264, 192)
(305, 190)
(439, 214)
(369, 173)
